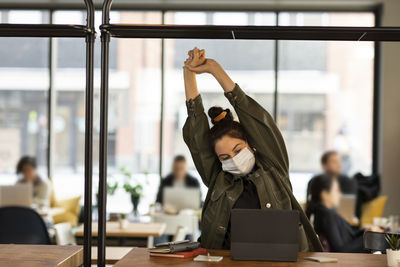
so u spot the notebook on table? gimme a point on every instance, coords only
(179, 246)
(181, 255)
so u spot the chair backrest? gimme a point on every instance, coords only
(20, 225)
(374, 241)
(371, 209)
(64, 234)
(324, 243)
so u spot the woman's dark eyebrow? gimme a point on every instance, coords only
(236, 146)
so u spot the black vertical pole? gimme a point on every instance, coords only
(49, 102)
(87, 228)
(162, 100)
(105, 45)
(276, 69)
(376, 98)
(105, 39)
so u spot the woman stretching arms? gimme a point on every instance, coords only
(244, 164)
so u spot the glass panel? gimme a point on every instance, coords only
(325, 100)
(325, 97)
(27, 16)
(134, 110)
(24, 83)
(249, 63)
(69, 121)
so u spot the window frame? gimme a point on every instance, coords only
(376, 114)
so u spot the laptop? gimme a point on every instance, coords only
(347, 207)
(264, 235)
(16, 195)
(182, 198)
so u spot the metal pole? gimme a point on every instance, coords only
(105, 42)
(87, 228)
(376, 125)
(51, 102)
(311, 33)
(42, 30)
(102, 202)
(53, 47)
(276, 70)
(162, 101)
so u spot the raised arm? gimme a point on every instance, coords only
(260, 127)
(196, 128)
(191, 90)
(211, 66)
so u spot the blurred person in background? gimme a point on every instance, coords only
(27, 173)
(179, 177)
(325, 196)
(331, 165)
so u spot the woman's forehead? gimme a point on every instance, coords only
(226, 144)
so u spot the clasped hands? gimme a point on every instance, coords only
(198, 63)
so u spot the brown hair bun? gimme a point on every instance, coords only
(216, 114)
(223, 124)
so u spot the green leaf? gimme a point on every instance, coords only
(393, 240)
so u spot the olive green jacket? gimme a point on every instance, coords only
(271, 178)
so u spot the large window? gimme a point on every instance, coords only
(323, 96)
(325, 92)
(250, 63)
(24, 84)
(134, 110)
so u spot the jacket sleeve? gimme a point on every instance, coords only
(261, 130)
(196, 136)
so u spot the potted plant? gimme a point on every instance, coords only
(123, 221)
(111, 188)
(132, 187)
(393, 254)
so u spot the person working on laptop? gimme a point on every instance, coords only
(178, 178)
(27, 172)
(331, 165)
(244, 164)
(330, 226)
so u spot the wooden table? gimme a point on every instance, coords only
(40, 255)
(133, 230)
(148, 230)
(113, 254)
(140, 257)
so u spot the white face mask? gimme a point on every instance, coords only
(241, 164)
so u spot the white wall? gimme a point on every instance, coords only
(390, 112)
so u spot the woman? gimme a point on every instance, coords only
(244, 164)
(26, 168)
(324, 199)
